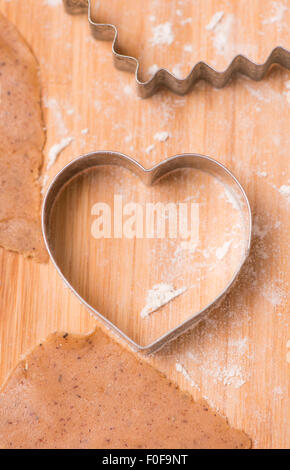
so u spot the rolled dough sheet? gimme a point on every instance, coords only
(89, 392)
(21, 143)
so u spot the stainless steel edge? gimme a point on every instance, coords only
(148, 176)
(162, 77)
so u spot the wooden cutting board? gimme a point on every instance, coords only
(237, 360)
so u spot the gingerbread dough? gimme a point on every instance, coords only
(89, 392)
(21, 143)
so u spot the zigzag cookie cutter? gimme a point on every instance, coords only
(149, 177)
(165, 79)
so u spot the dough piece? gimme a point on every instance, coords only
(89, 392)
(21, 143)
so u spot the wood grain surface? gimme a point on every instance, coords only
(237, 358)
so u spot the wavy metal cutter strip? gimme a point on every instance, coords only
(163, 78)
(148, 177)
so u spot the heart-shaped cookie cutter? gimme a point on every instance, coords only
(162, 77)
(149, 177)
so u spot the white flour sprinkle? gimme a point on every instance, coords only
(153, 69)
(177, 72)
(216, 18)
(56, 149)
(231, 199)
(52, 103)
(239, 345)
(278, 10)
(160, 295)
(128, 90)
(231, 376)
(187, 48)
(222, 250)
(161, 136)
(287, 92)
(257, 94)
(187, 246)
(52, 3)
(278, 391)
(274, 294)
(186, 21)
(162, 34)
(261, 174)
(150, 148)
(84, 131)
(260, 230)
(221, 34)
(128, 138)
(285, 191)
(180, 368)
(98, 105)
(288, 352)
(226, 369)
(44, 180)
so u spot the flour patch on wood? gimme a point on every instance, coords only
(186, 21)
(177, 71)
(287, 92)
(54, 106)
(213, 364)
(261, 174)
(277, 13)
(231, 198)
(43, 182)
(53, 153)
(274, 294)
(52, 3)
(188, 246)
(216, 18)
(182, 370)
(56, 149)
(221, 34)
(284, 190)
(128, 90)
(162, 35)
(150, 148)
(231, 375)
(187, 48)
(153, 69)
(160, 295)
(223, 250)
(161, 136)
(260, 229)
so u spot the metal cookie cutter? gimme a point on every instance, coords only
(148, 177)
(163, 78)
